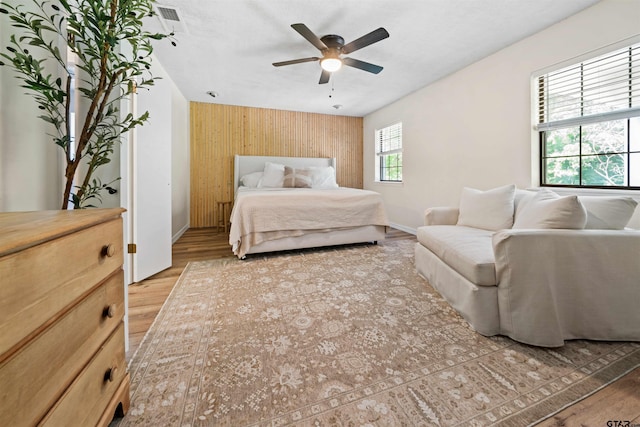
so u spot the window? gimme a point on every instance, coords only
(589, 122)
(389, 153)
(72, 66)
(72, 72)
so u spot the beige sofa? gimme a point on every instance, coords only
(539, 279)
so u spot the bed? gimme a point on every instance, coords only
(269, 216)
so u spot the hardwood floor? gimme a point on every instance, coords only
(618, 401)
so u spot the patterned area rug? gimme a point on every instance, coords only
(344, 337)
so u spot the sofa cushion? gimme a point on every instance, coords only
(546, 209)
(608, 213)
(490, 210)
(465, 249)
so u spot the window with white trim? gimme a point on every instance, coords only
(589, 122)
(388, 142)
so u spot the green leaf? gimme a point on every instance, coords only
(86, 25)
(47, 119)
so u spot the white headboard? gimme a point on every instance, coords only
(243, 165)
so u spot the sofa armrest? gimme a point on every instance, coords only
(555, 285)
(441, 216)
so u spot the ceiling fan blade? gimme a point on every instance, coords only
(364, 41)
(372, 68)
(324, 77)
(295, 61)
(308, 34)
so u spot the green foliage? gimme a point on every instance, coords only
(112, 50)
(391, 167)
(596, 151)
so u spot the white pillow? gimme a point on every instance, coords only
(608, 213)
(489, 210)
(251, 180)
(521, 197)
(323, 177)
(546, 209)
(273, 176)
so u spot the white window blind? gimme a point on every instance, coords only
(389, 140)
(603, 88)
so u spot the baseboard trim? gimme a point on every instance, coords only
(179, 233)
(404, 228)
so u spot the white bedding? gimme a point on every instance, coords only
(261, 215)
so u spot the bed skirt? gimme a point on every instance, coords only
(367, 233)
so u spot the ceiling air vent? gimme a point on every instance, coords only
(170, 19)
(168, 13)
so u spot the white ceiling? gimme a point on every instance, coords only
(229, 46)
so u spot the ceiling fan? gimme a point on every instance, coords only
(332, 47)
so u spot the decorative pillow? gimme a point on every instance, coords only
(251, 180)
(608, 213)
(323, 177)
(489, 210)
(522, 196)
(273, 176)
(546, 209)
(296, 178)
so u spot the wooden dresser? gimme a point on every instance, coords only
(62, 355)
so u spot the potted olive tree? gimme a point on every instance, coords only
(111, 52)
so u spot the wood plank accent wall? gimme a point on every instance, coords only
(218, 132)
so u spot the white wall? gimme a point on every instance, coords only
(474, 128)
(31, 165)
(31, 172)
(180, 164)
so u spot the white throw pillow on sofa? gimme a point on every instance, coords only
(489, 210)
(546, 209)
(608, 213)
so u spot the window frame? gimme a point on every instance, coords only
(629, 113)
(380, 154)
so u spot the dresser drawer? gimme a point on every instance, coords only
(34, 377)
(84, 401)
(40, 282)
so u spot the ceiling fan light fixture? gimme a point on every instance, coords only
(332, 47)
(331, 64)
